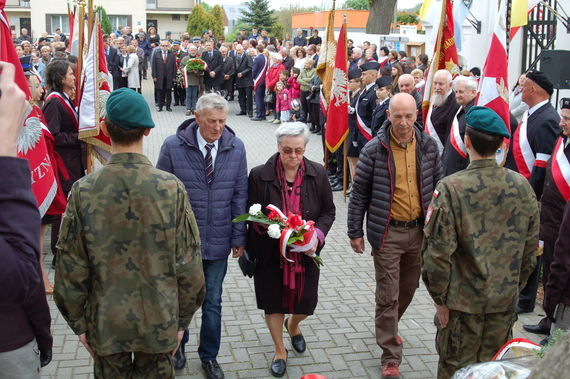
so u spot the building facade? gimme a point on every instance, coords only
(40, 16)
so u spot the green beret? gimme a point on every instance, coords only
(128, 109)
(487, 121)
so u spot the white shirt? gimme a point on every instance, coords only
(202, 146)
(533, 109)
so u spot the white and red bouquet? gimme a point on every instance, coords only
(291, 230)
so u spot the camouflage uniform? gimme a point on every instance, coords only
(481, 237)
(129, 270)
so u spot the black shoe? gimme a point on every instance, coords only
(537, 329)
(213, 369)
(240, 114)
(168, 109)
(250, 115)
(159, 109)
(336, 188)
(319, 132)
(175, 104)
(258, 119)
(521, 310)
(179, 359)
(298, 341)
(278, 367)
(545, 341)
(53, 263)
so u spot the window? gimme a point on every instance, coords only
(59, 21)
(150, 4)
(175, 17)
(119, 20)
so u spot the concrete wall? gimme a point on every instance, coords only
(165, 24)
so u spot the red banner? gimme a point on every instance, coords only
(337, 114)
(31, 142)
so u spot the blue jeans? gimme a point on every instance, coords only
(211, 329)
(191, 97)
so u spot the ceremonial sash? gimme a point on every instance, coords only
(522, 152)
(561, 170)
(71, 110)
(455, 137)
(261, 74)
(430, 129)
(365, 130)
(322, 101)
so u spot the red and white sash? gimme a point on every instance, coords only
(261, 74)
(455, 137)
(430, 129)
(364, 129)
(522, 152)
(561, 170)
(67, 104)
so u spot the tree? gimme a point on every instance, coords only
(232, 35)
(406, 18)
(106, 25)
(285, 15)
(217, 21)
(198, 21)
(258, 14)
(380, 16)
(277, 31)
(356, 4)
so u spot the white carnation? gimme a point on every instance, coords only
(254, 209)
(274, 231)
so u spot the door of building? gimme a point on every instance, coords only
(26, 22)
(150, 23)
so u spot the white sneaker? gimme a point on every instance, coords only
(277, 121)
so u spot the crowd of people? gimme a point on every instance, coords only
(140, 248)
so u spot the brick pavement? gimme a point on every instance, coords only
(340, 336)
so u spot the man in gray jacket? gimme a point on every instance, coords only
(395, 197)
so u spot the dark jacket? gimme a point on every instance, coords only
(558, 286)
(73, 152)
(288, 62)
(145, 45)
(442, 117)
(163, 71)
(453, 161)
(374, 183)
(542, 132)
(113, 62)
(315, 40)
(299, 41)
(366, 105)
(243, 65)
(24, 311)
(379, 116)
(316, 199)
(228, 68)
(214, 205)
(215, 64)
(552, 204)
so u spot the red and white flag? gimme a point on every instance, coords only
(337, 113)
(94, 94)
(31, 142)
(493, 85)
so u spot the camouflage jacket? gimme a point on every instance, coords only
(129, 270)
(481, 238)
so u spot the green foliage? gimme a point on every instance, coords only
(206, 6)
(258, 14)
(285, 16)
(407, 18)
(558, 335)
(198, 21)
(232, 34)
(277, 31)
(356, 4)
(217, 21)
(106, 25)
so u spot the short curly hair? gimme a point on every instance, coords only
(55, 73)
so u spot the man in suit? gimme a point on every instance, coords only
(299, 40)
(232, 54)
(164, 74)
(244, 81)
(228, 70)
(213, 73)
(367, 100)
(312, 54)
(112, 57)
(531, 147)
(288, 62)
(179, 90)
(259, 71)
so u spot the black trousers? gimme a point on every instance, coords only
(165, 95)
(245, 97)
(527, 297)
(211, 85)
(179, 95)
(305, 106)
(315, 116)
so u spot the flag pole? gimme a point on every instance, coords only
(345, 146)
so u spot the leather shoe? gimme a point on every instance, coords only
(240, 114)
(168, 109)
(159, 109)
(278, 367)
(298, 341)
(257, 119)
(336, 187)
(179, 359)
(213, 369)
(537, 329)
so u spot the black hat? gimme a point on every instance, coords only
(370, 66)
(383, 81)
(354, 74)
(541, 80)
(565, 103)
(26, 62)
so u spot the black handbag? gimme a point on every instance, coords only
(247, 264)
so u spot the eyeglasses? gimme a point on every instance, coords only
(289, 151)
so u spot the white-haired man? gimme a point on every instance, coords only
(444, 107)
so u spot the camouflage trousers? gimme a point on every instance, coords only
(471, 338)
(144, 365)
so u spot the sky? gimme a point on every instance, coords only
(276, 4)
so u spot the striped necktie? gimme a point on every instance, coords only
(209, 165)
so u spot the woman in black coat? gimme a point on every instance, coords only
(297, 185)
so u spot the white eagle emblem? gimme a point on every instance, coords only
(30, 135)
(339, 89)
(102, 98)
(331, 53)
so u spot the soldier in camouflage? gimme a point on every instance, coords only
(481, 238)
(129, 271)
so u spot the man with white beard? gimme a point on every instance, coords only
(444, 107)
